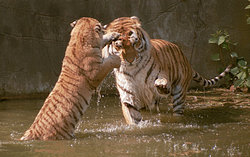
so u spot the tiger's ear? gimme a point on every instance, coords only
(138, 21)
(105, 26)
(72, 24)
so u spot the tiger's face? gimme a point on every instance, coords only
(133, 40)
(88, 31)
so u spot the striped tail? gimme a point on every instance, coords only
(208, 83)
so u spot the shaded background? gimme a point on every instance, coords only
(34, 34)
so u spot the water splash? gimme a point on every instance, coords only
(121, 127)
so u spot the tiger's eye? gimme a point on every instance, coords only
(130, 33)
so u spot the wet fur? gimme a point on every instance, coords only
(150, 69)
(83, 69)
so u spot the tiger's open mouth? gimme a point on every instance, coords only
(127, 51)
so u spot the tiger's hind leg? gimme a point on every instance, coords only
(179, 97)
(131, 114)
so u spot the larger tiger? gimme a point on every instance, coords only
(150, 69)
(83, 69)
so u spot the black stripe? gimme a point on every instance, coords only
(50, 124)
(65, 121)
(73, 52)
(78, 108)
(69, 60)
(72, 84)
(58, 132)
(204, 82)
(72, 78)
(149, 71)
(175, 99)
(52, 119)
(125, 90)
(216, 79)
(38, 127)
(64, 97)
(145, 44)
(53, 112)
(220, 76)
(67, 69)
(180, 90)
(73, 115)
(85, 100)
(143, 66)
(125, 73)
(62, 128)
(213, 81)
(195, 76)
(69, 101)
(179, 103)
(67, 131)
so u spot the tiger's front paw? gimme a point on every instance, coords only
(162, 85)
(109, 37)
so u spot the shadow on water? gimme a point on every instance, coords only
(215, 115)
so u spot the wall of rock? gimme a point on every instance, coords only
(34, 34)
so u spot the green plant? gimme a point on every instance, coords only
(226, 46)
(248, 16)
(241, 72)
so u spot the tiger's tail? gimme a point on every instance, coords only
(210, 82)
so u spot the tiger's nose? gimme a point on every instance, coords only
(118, 44)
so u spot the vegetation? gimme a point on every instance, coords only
(241, 71)
(248, 15)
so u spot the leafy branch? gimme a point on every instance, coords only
(248, 16)
(241, 73)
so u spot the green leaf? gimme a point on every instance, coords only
(215, 57)
(248, 7)
(235, 71)
(242, 63)
(237, 83)
(225, 46)
(242, 75)
(234, 55)
(221, 40)
(248, 20)
(235, 44)
(248, 82)
(213, 40)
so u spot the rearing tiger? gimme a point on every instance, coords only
(83, 69)
(150, 69)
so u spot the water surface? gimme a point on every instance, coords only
(216, 123)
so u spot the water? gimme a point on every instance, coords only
(216, 123)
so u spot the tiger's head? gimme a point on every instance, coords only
(87, 32)
(133, 41)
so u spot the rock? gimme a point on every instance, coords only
(34, 34)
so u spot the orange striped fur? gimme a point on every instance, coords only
(83, 69)
(150, 69)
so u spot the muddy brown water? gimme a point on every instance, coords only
(216, 123)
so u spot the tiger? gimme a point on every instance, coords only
(151, 69)
(83, 69)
